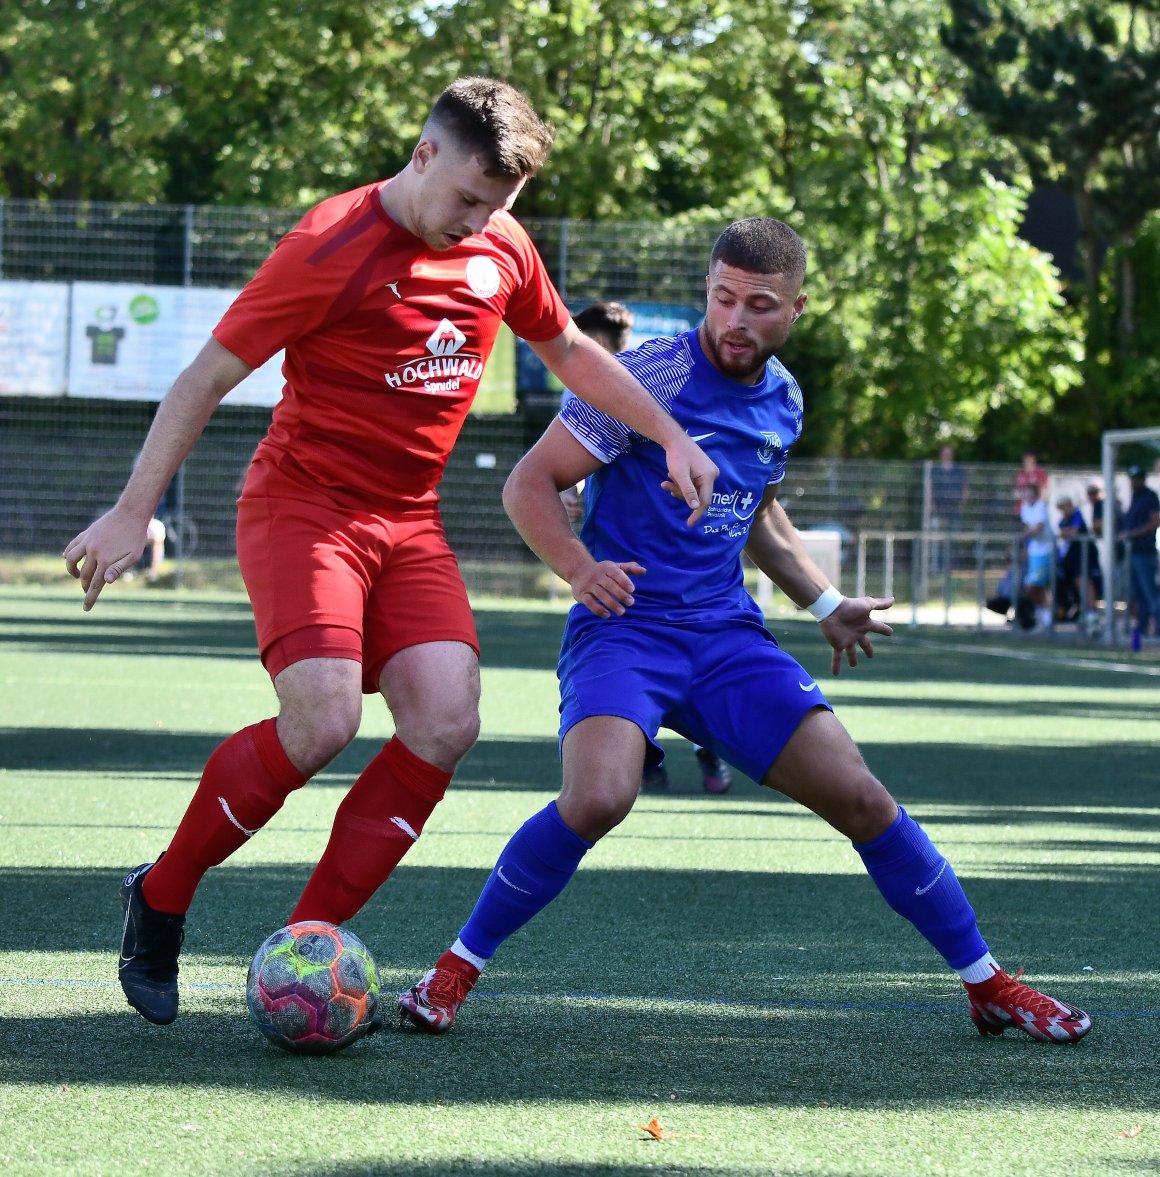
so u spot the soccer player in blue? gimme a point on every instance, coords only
(664, 634)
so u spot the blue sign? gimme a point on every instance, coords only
(650, 319)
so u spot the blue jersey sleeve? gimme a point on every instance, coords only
(662, 365)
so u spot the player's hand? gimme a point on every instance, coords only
(606, 587)
(849, 627)
(104, 551)
(691, 475)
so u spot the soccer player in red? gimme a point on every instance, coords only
(387, 301)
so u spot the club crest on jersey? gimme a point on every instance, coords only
(766, 453)
(483, 276)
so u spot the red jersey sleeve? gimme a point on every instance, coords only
(292, 295)
(536, 311)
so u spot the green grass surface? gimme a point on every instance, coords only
(721, 964)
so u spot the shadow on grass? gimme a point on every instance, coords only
(731, 988)
(681, 933)
(225, 629)
(1015, 780)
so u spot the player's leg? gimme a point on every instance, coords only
(287, 549)
(715, 774)
(603, 756)
(821, 767)
(433, 693)
(422, 655)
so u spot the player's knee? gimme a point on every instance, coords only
(441, 737)
(595, 810)
(867, 808)
(314, 736)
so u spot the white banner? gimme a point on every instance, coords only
(131, 342)
(33, 337)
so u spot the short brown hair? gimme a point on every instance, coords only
(493, 120)
(761, 245)
(613, 320)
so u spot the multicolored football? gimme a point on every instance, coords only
(313, 988)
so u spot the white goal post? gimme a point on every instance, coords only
(1110, 443)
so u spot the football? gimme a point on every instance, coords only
(313, 988)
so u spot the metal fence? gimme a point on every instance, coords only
(62, 458)
(195, 245)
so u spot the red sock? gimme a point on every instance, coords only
(243, 785)
(377, 823)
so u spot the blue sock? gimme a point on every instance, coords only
(532, 870)
(922, 887)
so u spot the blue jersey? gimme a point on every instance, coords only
(694, 573)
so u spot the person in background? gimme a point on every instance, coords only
(610, 324)
(1141, 520)
(1030, 473)
(1037, 542)
(1077, 594)
(387, 300)
(949, 490)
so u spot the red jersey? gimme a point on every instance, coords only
(385, 342)
(1024, 478)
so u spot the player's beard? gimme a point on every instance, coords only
(745, 368)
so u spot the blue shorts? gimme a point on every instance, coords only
(726, 685)
(1038, 571)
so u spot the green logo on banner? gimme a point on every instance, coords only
(144, 309)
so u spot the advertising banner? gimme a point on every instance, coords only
(33, 338)
(131, 342)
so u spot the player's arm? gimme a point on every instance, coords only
(115, 541)
(531, 497)
(776, 548)
(594, 376)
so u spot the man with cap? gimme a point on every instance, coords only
(1140, 522)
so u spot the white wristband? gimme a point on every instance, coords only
(825, 604)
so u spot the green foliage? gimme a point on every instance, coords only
(903, 157)
(1074, 87)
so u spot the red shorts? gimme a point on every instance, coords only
(331, 581)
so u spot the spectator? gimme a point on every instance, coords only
(1095, 498)
(948, 498)
(609, 323)
(1036, 537)
(1029, 474)
(1140, 522)
(1073, 591)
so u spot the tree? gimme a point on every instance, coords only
(1076, 89)
(240, 102)
(929, 313)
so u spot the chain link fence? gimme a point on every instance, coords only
(63, 459)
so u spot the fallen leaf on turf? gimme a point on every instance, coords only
(655, 1129)
(1135, 1130)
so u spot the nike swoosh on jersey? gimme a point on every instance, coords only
(702, 436)
(807, 686)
